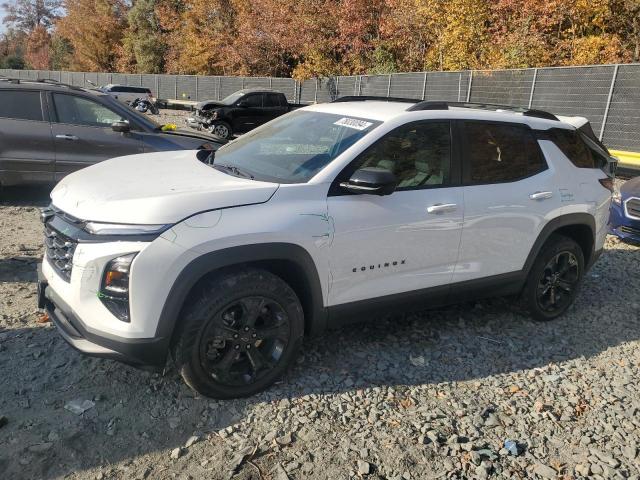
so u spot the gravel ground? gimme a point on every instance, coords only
(420, 396)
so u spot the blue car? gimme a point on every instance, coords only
(624, 219)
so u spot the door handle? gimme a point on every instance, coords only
(442, 208)
(540, 195)
(67, 137)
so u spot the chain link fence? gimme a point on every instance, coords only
(608, 95)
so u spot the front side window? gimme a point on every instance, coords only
(501, 152)
(293, 147)
(252, 101)
(80, 111)
(20, 105)
(418, 154)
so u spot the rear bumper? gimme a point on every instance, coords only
(139, 352)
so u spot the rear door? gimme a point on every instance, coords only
(509, 190)
(26, 144)
(83, 136)
(274, 106)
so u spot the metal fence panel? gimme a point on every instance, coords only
(286, 86)
(167, 87)
(346, 85)
(307, 92)
(186, 85)
(134, 80)
(327, 89)
(257, 82)
(377, 85)
(622, 130)
(149, 81)
(207, 88)
(407, 85)
(574, 91)
(506, 87)
(229, 85)
(104, 79)
(447, 86)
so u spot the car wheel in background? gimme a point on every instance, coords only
(221, 129)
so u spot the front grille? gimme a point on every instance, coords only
(630, 230)
(633, 207)
(59, 251)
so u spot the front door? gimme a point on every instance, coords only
(405, 241)
(83, 136)
(249, 113)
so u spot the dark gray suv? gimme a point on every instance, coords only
(50, 129)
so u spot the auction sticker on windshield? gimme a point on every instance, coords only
(353, 123)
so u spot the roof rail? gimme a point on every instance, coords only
(39, 80)
(438, 105)
(364, 98)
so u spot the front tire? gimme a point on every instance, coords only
(239, 334)
(554, 279)
(221, 129)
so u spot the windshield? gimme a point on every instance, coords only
(231, 99)
(294, 147)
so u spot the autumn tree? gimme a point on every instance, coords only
(94, 28)
(37, 51)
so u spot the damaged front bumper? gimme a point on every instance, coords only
(147, 353)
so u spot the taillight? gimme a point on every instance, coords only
(607, 183)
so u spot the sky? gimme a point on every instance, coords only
(1, 18)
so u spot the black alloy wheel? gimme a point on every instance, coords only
(554, 278)
(244, 341)
(238, 333)
(560, 278)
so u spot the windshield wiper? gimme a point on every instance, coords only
(234, 170)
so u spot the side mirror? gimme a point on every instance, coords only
(121, 127)
(371, 180)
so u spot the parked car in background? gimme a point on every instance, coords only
(335, 212)
(240, 112)
(127, 93)
(49, 129)
(624, 218)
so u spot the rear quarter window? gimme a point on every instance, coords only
(20, 105)
(573, 147)
(500, 153)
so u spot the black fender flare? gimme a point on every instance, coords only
(554, 225)
(244, 254)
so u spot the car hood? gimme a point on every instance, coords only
(154, 188)
(201, 105)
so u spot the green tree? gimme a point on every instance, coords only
(143, 43)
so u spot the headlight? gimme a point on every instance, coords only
(114, 288)
(213, 115)
(616, 197)
(98, 228)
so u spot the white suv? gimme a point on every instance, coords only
(332, 213)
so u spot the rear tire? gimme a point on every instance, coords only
(239, 334)
(554, 278)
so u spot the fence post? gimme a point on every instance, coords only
(424, 85)
(389, 87)
(242, 83)
(270, 82)
(175, 87)
(459, 85)
(219, 87)
(533, 86)
(337, 87)
(155, 80)
(315, 95)
(359, 77)
(197, 95)
(469, 87)
(606, 110)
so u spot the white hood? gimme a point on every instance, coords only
(153, 188)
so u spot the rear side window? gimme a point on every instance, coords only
(501, 153)
(253, 100)
(20, 105)
(271, 100)
(574, 148)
